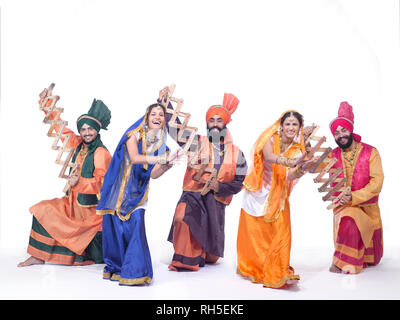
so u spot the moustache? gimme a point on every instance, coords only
(216, 134)
(347, 144)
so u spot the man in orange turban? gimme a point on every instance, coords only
(197, 231)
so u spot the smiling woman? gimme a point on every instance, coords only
(156, 116)
(264, 236)
(141, 154)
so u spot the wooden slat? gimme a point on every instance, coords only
(58, 135)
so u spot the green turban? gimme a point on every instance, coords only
(98, 116)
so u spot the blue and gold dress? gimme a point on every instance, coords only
(123, 203)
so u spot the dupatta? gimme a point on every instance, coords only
(126, 185)
(279, 190)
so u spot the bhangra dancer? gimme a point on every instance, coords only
(264, 235)
(141, 154)
(197, 230)
(67, 230)
(357, 221)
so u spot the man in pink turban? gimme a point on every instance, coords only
(197, 230)
(357, 221)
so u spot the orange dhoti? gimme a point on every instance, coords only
(64, 223)
(63, 229)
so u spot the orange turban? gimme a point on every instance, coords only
(228, 107)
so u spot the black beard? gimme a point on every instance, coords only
(216, 135)
(346, 145)
(86, 142)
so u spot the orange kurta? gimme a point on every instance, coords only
(69, 223)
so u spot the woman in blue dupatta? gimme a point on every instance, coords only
(141, 154)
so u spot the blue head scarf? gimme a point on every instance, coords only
(125, 185)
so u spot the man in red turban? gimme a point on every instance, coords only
(357, 221)
(197, 230)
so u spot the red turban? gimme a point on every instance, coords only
(228, 107)
(345, 119)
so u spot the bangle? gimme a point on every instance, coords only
(162, 159)
(287, 162)
(299, 172)
(166, 166)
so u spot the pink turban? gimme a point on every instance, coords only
(345, 119)
(228, 107)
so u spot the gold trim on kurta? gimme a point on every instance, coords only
(228, 152)
(86, 205)
(352, 166)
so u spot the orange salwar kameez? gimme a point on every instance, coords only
(264, 235)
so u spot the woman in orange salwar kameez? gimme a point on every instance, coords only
(264, 236)
(67, 230)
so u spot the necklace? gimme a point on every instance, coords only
(350, 159)
(83, 153)
(218, 149)
(283, 146)
(150, 139)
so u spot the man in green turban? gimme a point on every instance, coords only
(67, 230)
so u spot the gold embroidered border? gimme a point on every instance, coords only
(85, 205)
(351, 252)
(128, 215)
(350, 179)
(369, 258)
(229, 153)
(126, 281)
(346, 267)
(125, 179)
(277, 285)
(281, 208)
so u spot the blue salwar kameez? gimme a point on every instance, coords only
(122, 204)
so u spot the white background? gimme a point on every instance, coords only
(273, 55)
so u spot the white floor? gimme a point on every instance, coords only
(214, 282)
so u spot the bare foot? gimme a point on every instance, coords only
(172, 268)
(335, 269)
(30, 261)
(212, 259)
